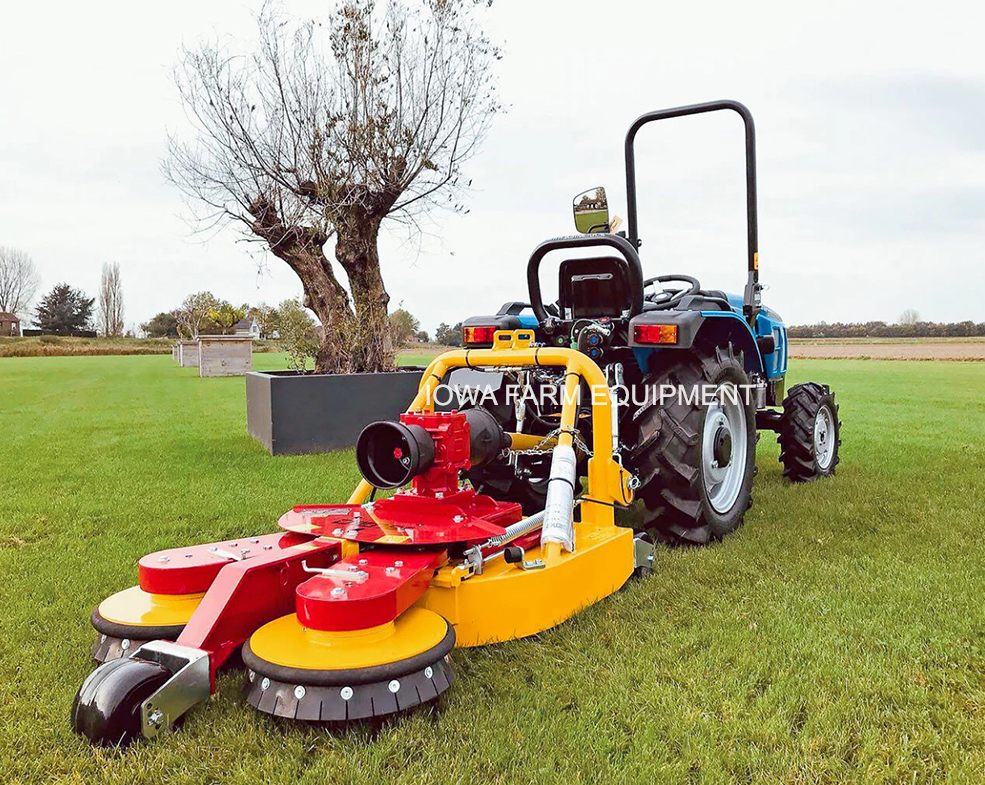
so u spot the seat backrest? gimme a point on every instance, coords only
(593, 287)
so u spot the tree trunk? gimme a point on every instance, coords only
(357, 252)
(357, 341)
(302, 249)
(324, 295)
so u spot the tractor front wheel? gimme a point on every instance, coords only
(695, 450)
(810, 433)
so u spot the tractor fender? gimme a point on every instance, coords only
(709, 328)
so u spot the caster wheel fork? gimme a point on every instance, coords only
(142, 695)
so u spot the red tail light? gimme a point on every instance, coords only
(655, 333)
(474, 335)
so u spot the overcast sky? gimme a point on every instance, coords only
(870, 121)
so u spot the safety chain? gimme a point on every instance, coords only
(575, 437)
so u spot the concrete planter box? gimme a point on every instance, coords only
(292, 414)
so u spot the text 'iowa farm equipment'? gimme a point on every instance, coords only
(503, 522)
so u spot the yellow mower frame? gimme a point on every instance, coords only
(504, 601)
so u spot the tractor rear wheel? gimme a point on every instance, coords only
(695, 447)
(810, 433)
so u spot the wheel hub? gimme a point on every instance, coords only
(723, 451)
(824, 439)
(723, 447)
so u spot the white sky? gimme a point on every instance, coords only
(870, 121)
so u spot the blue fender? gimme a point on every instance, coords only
(718, 328)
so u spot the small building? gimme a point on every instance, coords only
(248, 327)
(10, 325)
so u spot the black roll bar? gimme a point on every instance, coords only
(751, 299)
(629, 257)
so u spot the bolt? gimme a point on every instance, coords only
(125, 644)
(336, 532)
(364, 562)
(390, 570)
(428, 672)
(398, 563)
(252, 676)
(255, 540)
(345, 693)
(338, 591)
(393, 686)
(299, 692)
(265, 683)
(156, 717)
(188, 555)
(268, 547)
(163, 559)
(244, 551)
(458, 518)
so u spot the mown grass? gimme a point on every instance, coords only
(838, 637)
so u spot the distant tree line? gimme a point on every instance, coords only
(203, 313)
(64, 310)
(917, 329)
(449, 335)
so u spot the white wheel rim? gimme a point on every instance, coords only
(824, 437)
(725, 417)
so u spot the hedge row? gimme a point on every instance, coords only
(883, 330)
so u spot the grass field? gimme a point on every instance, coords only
(838, 637)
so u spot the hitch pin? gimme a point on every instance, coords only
(355, 576)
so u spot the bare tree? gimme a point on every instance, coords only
(18, 281)
(909, 317)
(111, 301)
(327, 131)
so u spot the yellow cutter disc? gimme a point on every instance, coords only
(130, 617)
(286, 643)
(339, 677)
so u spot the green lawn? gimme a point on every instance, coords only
(838, 637)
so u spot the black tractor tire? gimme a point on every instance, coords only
(668, 451)
(798, 435)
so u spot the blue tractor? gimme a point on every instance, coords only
(696, 372)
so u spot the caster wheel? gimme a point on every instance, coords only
(106, 710)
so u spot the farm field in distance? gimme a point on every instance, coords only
(838, 637)
(889, 348)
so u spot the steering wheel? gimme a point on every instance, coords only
(668, 298)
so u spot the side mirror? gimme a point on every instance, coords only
(591, 211)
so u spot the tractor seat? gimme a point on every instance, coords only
(704, 300)
(593, 287)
